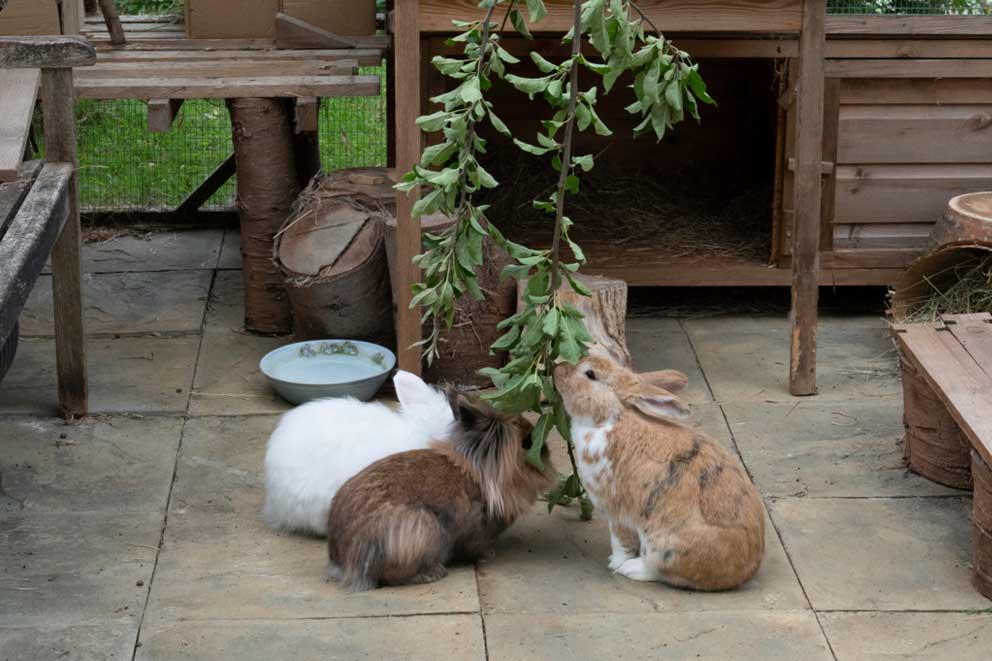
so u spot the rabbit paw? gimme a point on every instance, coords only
(618, 557)
(636, 570)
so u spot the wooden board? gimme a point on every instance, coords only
(363, 57)
(902, 25)
(908, 48)
(954, 376)
(762, 16)
(950, 133)
(880, 237)
(915, 91)
(247, 67)
(13, 193)
(20, 90)
(222, 88)
(908, 68)
(904, 193)
(22, 17)
(161, 114)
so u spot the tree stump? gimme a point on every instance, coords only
(605, 313)
(934, 446)
(968, 219)
(981, 518)
(267, 188)
(332, 254)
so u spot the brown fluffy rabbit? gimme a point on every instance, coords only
(680, 508)
(405, 517)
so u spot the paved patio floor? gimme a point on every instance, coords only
(136, 533)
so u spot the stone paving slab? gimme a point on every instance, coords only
(128, 374)
(824, 448)
(655, 346)
(651, 636)
(436, 638)
(127, 303)
(111, 465)
(930, 636)
(226, 307)
(153, 251)
(228, 379)
(217, 566)
(230, 253)
(113, 641)
(748, 359)
(62, 569)
(881, 554)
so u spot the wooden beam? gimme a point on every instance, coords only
(909, 48)
(12, 193)
(29, 240)
(294, 33)
(826, 167)
(902, 25)
(380, 42)
(806, 234)
(109, 10)
(406, 62)
(306, 114)
(210, 185)
(161, 114)
(20, 89)
(223, 88)
(58, 97)
(831, 130)
(45, 52)
(246, 66)
(72, 12)
(906, 68)
(363, 57)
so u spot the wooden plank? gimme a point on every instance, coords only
(868, 258)
(908, 68)
(13, 193)
(220, 176)
(161, 114)
(881, 237)
(29, 240)
(407, 63)
(951, 133)
(42, 52)
(974, 332)
(915, 91)
(58, 99)
(903, 193)
(699, 47)
(292, 32)
(831, 127)
(380, 42)
(20, 89)
(219, 68)
(902, 25)
(806, 234)
(761, 16)
(222, 88)
(363, 57)
(908, 48)
(954, 377)
(306, 114)
(72, 16)
(109, 10)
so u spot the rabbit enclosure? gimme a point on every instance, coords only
(753, 195)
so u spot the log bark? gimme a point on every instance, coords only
(332, 254)
(968, 219)
(605, 314)
(982, 526)
(267, 189)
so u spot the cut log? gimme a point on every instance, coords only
(968, 219)
(605, 314)
(982, 525)
(332, 256)
(267, 189)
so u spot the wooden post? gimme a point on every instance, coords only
(390, 93)
(806, 233)
(306, 138)
(406, 65)
(72, 16)
(58, 99)
(113, 22)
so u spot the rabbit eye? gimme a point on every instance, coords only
(590, 375)
(528, 442)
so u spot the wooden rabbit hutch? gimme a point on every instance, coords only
(850, 132)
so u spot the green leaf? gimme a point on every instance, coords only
(579, 255)
(426, 204)
(438, 154)
(446, 65)
(470, 91)
(529, 86)
(544, 65)
(505, 55)
(673, 95)
(698, 88)
(572, 184)
(550, 325)
(584, 162)
(537, 438)
(498, 124)
(506, 341)
(536, 9)
(530, 149)
(587, 507)
(519, 24)
(434, 121)
(485, 179)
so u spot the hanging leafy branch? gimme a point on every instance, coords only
(546, 330)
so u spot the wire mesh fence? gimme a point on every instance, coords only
(124, 167)
(928, 7)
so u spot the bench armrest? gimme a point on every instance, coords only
(54, 52)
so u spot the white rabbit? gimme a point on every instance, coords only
(318, 446)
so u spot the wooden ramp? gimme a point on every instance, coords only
(18, 92)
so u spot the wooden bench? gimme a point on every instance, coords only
(954, 358)
(39, 209)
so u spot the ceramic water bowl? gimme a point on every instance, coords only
(317, 369)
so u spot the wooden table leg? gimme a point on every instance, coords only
(806, 234)
(58, 99)
(406, 65)
(113, 22)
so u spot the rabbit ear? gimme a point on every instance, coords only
(670, 380)
(411, 389)
(657, 403)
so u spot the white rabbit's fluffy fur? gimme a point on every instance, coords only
(318, 446)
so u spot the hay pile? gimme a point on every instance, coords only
(693, 213)
(963, 288)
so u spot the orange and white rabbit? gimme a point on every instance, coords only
(681, 509)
